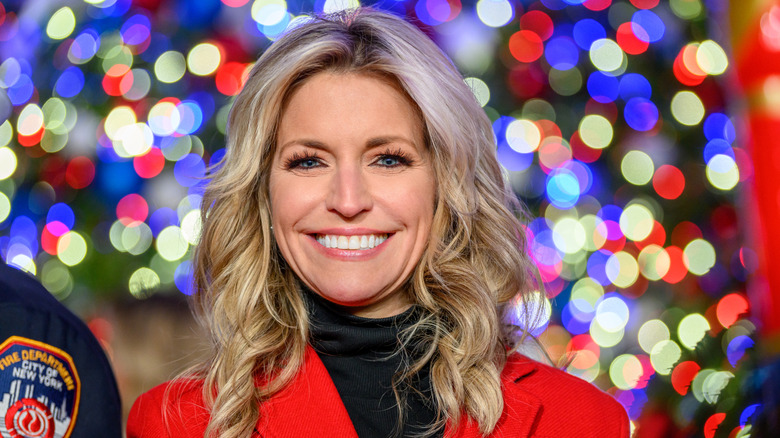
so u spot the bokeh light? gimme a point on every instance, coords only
(613, 122)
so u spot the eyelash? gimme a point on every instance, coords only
(297, 159)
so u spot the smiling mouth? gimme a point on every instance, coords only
(366, 241)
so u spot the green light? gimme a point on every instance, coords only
(636, 222)
(664, 356)
(637, 168)
(143, 283)
(699, 256)
(606, 55)
(61, 24)
(654, 262)
(171, 244)
(722, 172)
(692, 329)
(651, 333)
(687, 108)
(596, 131)
(7, 162)
(480, 90)
(71, 248)
(203, 59)
(170, 67)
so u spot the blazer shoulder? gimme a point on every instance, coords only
(569, 404)
(172, 409)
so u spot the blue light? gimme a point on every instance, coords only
(85, 45)
(602, 87)
(21, 91)
(197, 14)
(136, 30)
(62, 213)
(190, 170)
(513, 160)
(555, 5)
(70, 82)
(183, 278)
(641, 114)
(583, 174)
(577, 315)
(736, 348)
(191, 117)
(586, 31)
(117, 179)
(610, 212)
(276, 29)
(717, 146)
(634, 85)
(544, 250)
(596, 267)
(432, 12)
(718, 125)
(562, 53)
(749, 412)
(24, 232)
(563, 188)
(161, 218)
(652, 24)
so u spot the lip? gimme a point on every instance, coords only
(349, 231)
(349, 255)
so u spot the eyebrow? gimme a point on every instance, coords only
(370, 144)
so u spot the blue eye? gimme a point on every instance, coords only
(308, 163)
(389, 161)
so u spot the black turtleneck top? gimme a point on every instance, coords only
(362, 355)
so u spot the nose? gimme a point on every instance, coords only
(349, 194)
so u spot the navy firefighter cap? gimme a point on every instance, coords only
(55, 379)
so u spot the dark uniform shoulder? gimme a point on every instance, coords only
(51, 366)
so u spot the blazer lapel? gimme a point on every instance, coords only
(520, 407)
(309, 407)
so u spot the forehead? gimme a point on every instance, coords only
(344, 104)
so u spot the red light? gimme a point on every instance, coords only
(526, 46)
(684, 232)
(581, 151)
(80, 172)
(645, 4)
(629, 41)
(31, 140)
(668, 182)
(132, 210)
(118, 80)
(730, 308)
(657, 236)
(597, 5)
(683, 374)
(712, 424)
(677, 269)
(50, 236)
(150, 164)
(685, 68)
(230, 78)
(537, 22)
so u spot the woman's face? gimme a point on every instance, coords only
(352, 191)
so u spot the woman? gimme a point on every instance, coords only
(360, 256)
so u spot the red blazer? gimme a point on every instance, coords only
(539, 402)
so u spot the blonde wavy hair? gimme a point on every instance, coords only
(473, 271)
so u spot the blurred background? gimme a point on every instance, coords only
(642, 134)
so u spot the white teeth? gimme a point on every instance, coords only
(351, 242)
